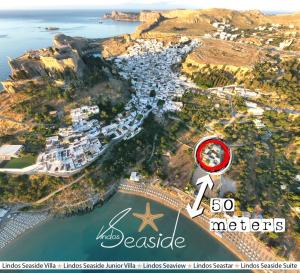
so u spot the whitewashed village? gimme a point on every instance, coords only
(152, 69)
(158, 89)
(228, 32)
(148, 64)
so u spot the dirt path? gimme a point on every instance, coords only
(42, 200)
(153, 148)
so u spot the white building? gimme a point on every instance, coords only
(253, 109)
(83, 112)
(7, 152)
(258, 123)
(134, 176)
(148, 65)
(3, 212)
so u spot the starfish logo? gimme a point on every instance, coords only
(148, 218)
(111, 235)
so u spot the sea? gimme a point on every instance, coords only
(74, 238)
(24, 30)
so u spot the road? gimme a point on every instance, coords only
(42, 200)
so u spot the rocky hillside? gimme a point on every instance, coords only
(122, 16)
(46, 83)
(199, 22)
(232, 56)
(152, 20)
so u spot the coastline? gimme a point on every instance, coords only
(52, 234)
(167, 199)
(184, 213)
(7, 227)
(20, 224)
(198, 221)
(232, 242)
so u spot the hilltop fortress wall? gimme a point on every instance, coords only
(33, 66)
(53, 63)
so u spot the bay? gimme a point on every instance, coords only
(74, 238)
(24, 30)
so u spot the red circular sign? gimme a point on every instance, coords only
(226, 155)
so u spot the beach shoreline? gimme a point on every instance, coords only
(230, 243)
(185, 214)
(20, 224)
(165, 198)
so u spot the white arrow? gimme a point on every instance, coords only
(195, 210)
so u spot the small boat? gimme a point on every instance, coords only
(51, 28)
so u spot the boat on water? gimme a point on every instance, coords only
(51, 28)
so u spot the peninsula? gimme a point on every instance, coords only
(94, 112)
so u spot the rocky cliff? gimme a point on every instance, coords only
(64, 57)
(122, 16)
(200, 22)
(143, 16)
(149, 16)
(151, 21)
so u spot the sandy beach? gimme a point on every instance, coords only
(244, 246)
(240, 244)
(18, 224)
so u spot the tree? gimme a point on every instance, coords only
(152, 93)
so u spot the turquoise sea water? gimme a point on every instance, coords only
(74, 238)
(24, 30)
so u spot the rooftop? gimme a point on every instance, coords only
(10, 150)
(2, 212)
